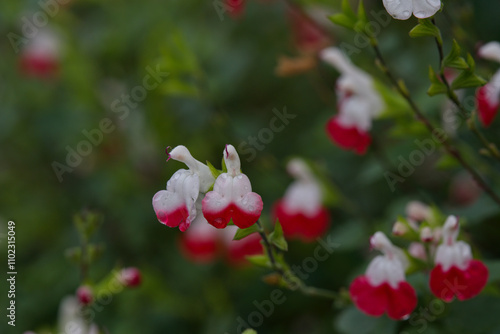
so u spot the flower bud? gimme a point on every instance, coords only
(418, 211)
(399, 229)
(426, 234)
(130, 277)
(85, 295)
(417, 250)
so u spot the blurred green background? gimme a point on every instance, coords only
(221, 88)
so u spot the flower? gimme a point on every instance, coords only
(130, 277)
(235, 7)
(176, 206)
(402, 9)
(383, 288)
(85, 295)
(40, 58)
(456, 273)
(308, 36)
(488, 96)
(238, 250)
(358, 104)
(301, 212)
(199, 243)
(232, 197)
(418, 211)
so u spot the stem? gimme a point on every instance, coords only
(292, 281)
(450, 149)
(452, 96)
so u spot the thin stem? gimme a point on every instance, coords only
(452, 96)
(292, 281)
(450, 149)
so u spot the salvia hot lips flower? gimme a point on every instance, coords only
(40, 57)
(176, 206)
(402, 9)
(130, 277)
(232, 197)
(383, 288)
(301, 212)
(488, 96)
(199, 243)
(456, 273)
(358, 103)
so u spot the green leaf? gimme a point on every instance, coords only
(453, 59)
(426, 28)
(467, 79)
(244, 232)
(260, 260)
(437, 86)
(176, 87)
(249, 331)
(277, 237)
(215, 172)
(447, 162)
(347, 18)
(362, 13)
(343, 20)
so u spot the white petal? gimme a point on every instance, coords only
(303, 197)
(399, 9)
(336, 58)
(425, 8)
(385, 270)
(355, 111)
(459, 255)
(490, 51)
(232, 160)
(240, 186)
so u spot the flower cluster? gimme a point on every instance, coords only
(384, 289)
(358, 103)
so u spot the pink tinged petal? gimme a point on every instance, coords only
(170, 209)
(376, 300)
(215, 209)
(488, 103)
(490, 51)
(463, 284)
(425, 8)
(399, 9)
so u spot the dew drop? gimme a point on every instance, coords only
(240, 177)
(251, 208)
(406, 13)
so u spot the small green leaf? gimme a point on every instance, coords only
(343, 20)
(260, 260)
(277, 237)
(249, 331)
(215, 172)
(471, 62)
(347, 10)
(453, 59)
(73, 254)
(244, 232)
(426, 28)
(437, 86)
(362, 13)
(467, 79)
(447, 162)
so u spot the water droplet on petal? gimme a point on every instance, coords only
(240, 177)
(218, 203)
(176, 176)
(246, 188)
(251, 208)
(406, 13)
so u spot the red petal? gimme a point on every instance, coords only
(239, 249)
(235, 7)
(464, 284)
(301, 226)
(37, 66)
(348, 137)
(487, 108)
(200, 250)
(174, 218)
(375, 300)
(308, 35)
(220, 219)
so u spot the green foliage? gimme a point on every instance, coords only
(437, 86)
(277, 238)
(453, 59)
(425, 28)
(245, 232)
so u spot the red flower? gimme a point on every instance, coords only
(199, 243)
(456, 273)
(301, 212)
(235, 7)
(308, 36)
(40, 58)
(237, 250)
(487, 99)
(232, 197)
(383, 288)
(348, 137)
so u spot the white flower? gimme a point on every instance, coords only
(402, 9)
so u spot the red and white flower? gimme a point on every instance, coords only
(237, 250)
(402, 9)
(41, 56)
(130, 277)
(200, 243)
(301, 211)
(456, 273)
(176, 206)
(232, 197)
(488, 96)
(383, 288)
(358, 104)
